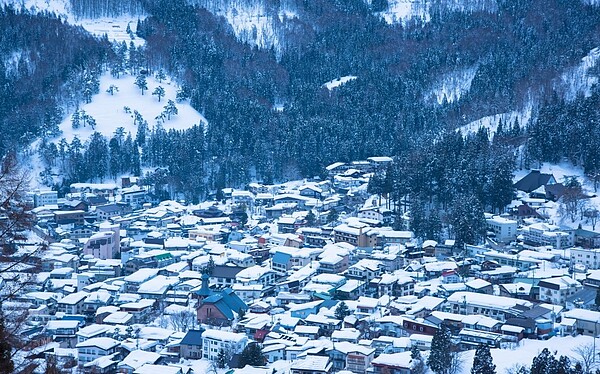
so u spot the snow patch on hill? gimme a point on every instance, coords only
(338, 82)
(578, 80)
(401, 11)
(506, 360)
(452, 86)
(59, 7)
(252, 22)
(114, 27)
(491, 122)
(108, 110)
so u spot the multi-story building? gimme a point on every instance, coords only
(104, 244)
(557, 290)
(94, 348)
(497, 307)
(504, 228)
(590, 258)
(73, 303)
(543, 234)
(215, 340)
(44, 197)
(355, 234)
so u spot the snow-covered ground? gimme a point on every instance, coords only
(507, 359)
(491, 122)
(108, 110)
(251, 22)
(452, 86)
(338, 82)
(59, 7)
(560, 172)
(401, 11)
(114, 27)
(577, 80)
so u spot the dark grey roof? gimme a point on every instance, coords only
(533, 181)
(221, 271)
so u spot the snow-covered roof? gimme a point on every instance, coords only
(397, 360)
(102, 343)
(221, 335)
(477, 299)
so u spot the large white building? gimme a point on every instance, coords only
(557, 290)
(45, 197)
(215, 340)
(590, 258)
(505, 229)
(543, 234)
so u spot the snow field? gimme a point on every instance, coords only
(109, 113)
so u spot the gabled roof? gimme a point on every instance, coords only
(226, 302)
(533, 181)
(193, 337)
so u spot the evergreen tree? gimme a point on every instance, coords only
(467, 220)
(310, 218)
(97, 156)
(210, 266)
(159, 92)
(332, 216)
(544, 363)
(170, 109)
(417, 364)
(483, 362)
(140, 81)
(252, 355)
(440, 356)
(160, 75)
(112, 89)
(342, 311)
(115, 158)
(221, 359)
(75, 120)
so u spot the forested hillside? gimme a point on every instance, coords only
(45, 64)
(270, 116)
(518, 51)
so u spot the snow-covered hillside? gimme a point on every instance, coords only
(338, 82)
(401, 11)
(578, 80)
(114, 27)
(491, 122)
(251, 21)
(452, 86)
(59, 7)
(109, 113)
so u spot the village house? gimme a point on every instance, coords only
(214, 341)
(557, 290)
(94, 348)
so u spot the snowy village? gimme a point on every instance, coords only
(299, 187)
(303, 277)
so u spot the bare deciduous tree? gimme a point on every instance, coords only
(585, 355)
(18, 261)
(183, 320)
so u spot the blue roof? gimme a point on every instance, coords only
(193, 337)
(233, 300)
(281, 258)
(227, 302)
